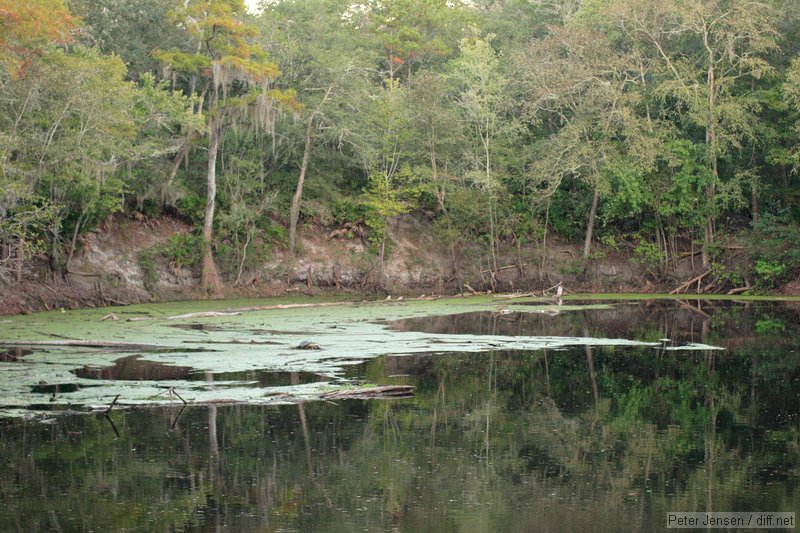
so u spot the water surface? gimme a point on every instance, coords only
(703, 414)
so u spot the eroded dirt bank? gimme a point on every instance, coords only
(117, 265)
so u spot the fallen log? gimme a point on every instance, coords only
(513, 295)
(506, 267)
(738, 290)
(240, 310)
(366, 393)
(687, 284)
(203, 314)
(288, 306)
(83, 343)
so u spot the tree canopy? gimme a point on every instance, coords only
(663, 127)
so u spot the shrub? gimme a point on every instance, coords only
(149, 266)
(183, 250)
(773, 247)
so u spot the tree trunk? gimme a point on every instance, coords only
(544, 241)
(711, 144)
(381, 258)
(210, 278)
(176, 164)
(587, 244)
(243, 258)
(294, 210)
(74, 241)
(19, 259)
(55, 254)
(492, 237)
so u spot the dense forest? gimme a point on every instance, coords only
(657, 127)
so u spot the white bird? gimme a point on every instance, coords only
(559, 291)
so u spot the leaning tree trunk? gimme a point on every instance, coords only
(210, 278)
(587, 244)
(294, 210)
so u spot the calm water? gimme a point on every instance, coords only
(581, 439)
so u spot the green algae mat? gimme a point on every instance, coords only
(265, 351)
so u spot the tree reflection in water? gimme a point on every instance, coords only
(584, 439)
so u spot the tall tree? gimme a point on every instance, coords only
(484, 101)
(130, 29)
(706, 49)
(330, 70)
(411, 31)
(383, 144)
(74, 125)
(578, 89)
(791, 91)
(237, 80)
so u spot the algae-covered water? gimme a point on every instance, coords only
(525, 415)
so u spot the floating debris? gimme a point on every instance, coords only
(308, 345)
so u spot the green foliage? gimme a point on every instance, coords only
(769, 273)
(381, 200)
(273, 233)
(346, 211)
(148, 264)
(130, 29)
(466, 218)
(773, 248)
(484, 115)
(183, 250)
(192, 206)
(726, 275)
(770, 326)
(568, 210)
(650, 256)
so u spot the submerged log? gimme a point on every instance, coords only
(382, 392)
(84, 343)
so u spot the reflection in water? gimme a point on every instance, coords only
(678, 321)
(132, 368)
(10, 355)
(606, 438)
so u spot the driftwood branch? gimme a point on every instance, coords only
(738, 290)
(240, 310)
(683, 286)
(513, 296)
(86, 274)
(507, 267)
(203, 314)
(384, 392)
(112, 404)
(470, 289)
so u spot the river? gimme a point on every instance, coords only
(524, 416)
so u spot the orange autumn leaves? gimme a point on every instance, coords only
(27, 27)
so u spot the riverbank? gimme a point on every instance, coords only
(132, 261)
